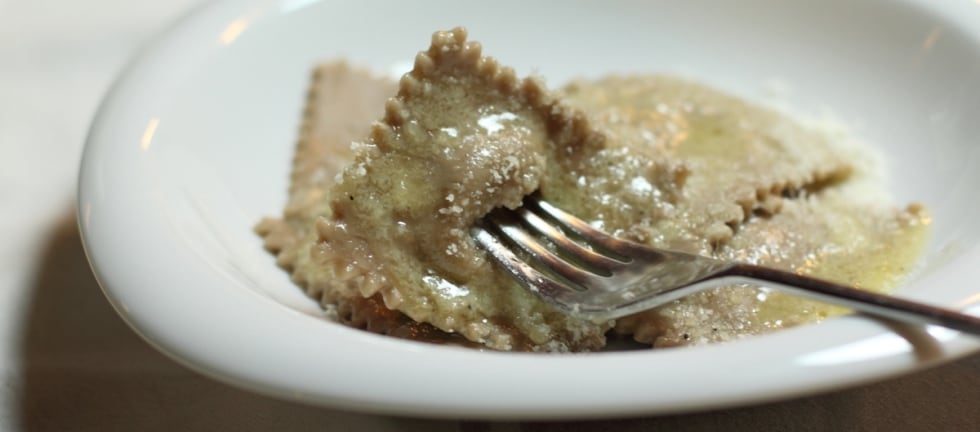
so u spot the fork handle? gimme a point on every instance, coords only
(880, 305)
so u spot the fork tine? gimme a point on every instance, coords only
(528, 276)
(576, 275)
(599, 262)
(594, 236)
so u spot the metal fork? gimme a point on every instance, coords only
(599, 277)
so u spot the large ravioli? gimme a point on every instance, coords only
(461, 137)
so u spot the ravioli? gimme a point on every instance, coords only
(377, 225)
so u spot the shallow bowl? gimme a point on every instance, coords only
(193, 145)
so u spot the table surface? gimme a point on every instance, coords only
(67, 362)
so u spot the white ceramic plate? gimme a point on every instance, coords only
(194, 143)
